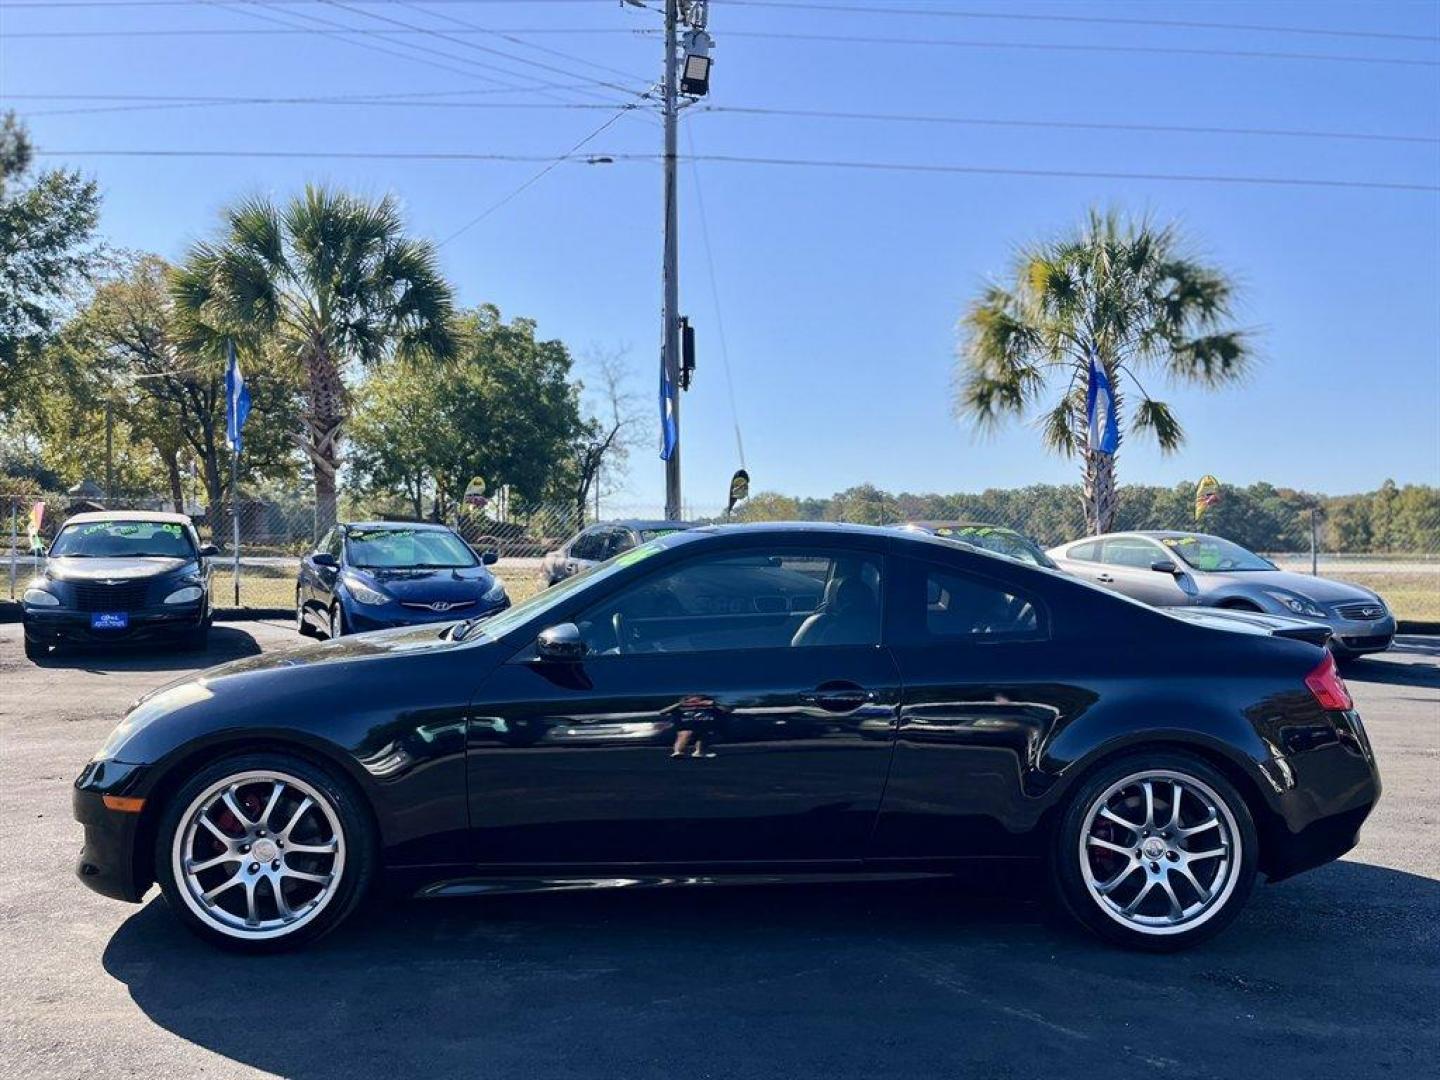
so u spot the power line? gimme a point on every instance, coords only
(424, 100)
(1101, 20)
(507, 36)
(417, 54)
(715, 295)
(568, 155)
(1030, 46)
(1083, 125)
(737, 159)
(456, 35)
(444, 36)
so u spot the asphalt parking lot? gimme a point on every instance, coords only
(1333, 973)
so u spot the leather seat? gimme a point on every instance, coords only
(848, 615)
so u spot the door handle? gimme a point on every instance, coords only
(839, 699)
(1106, 578)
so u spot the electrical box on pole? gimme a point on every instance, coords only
(687, 352)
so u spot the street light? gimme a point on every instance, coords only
(695, 71)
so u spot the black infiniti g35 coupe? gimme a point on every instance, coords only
(743, 703)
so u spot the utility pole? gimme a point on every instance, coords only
(670, 312)
(695, 84)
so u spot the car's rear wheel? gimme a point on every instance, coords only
(262, 852)
(1155, 851)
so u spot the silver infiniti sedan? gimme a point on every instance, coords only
(1185, 569)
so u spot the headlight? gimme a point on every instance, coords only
(364, 593)
(36, 597)
(495, 593)
(187, 595)
(1298, 605)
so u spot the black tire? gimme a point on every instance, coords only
(34, 650)
(357, 852)
(337, 627)
(1233, 826)
(197, 640)
(302, 625)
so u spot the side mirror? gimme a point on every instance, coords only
(561, 642)
(209, 551)
(1164, 566)
(324, 558)
(489, 558)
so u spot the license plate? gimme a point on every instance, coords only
(109, 620)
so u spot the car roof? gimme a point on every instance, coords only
(942, 524)
(128, 515)
(1147, 534)
(433, 526)
(646, 523)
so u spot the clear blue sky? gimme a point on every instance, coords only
(839, 289)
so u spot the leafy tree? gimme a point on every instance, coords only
(769, 506)
(122, 346)
(1124, 293)
(504, 409)
(47, 224)
(327, 283)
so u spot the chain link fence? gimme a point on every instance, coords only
(1387, 540)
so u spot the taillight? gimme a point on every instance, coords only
(1327, 686)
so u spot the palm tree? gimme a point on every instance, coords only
(1120, 291)
(327, 283)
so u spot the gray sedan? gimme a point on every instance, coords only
(1185, 569)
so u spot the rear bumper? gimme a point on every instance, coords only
(109, 862)
(1328, 793)
(52, 626)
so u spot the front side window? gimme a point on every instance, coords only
(589, 545)
(959, 606)
(428, 549)
(617, 541)
(770, 600)
(124, 540)
(1213, 553)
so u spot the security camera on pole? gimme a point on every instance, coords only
(689, 76)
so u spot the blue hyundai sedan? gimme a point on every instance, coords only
(378, 574)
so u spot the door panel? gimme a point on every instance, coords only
(980, 699)
(702, 758)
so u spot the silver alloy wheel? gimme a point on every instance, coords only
(1160, 852)
(258, 854)
(299, 612)
(336, 623)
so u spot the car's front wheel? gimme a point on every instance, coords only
(262, 852)
(337, 622)
(1155, 851)
(34, 650)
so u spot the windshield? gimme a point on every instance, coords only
(123, 540)
(1213, 553)
(396, 549)
(1000, 540)
(655, 534)
(497, 626)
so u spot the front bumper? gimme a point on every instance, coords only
(1353, 637)
(109, 862)
(362, 618)
(56, 626)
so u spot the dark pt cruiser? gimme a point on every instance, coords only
(743, 703)
(120, 575)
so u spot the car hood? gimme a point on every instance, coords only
(1323, 590)
(67, 568)
(418, 585)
